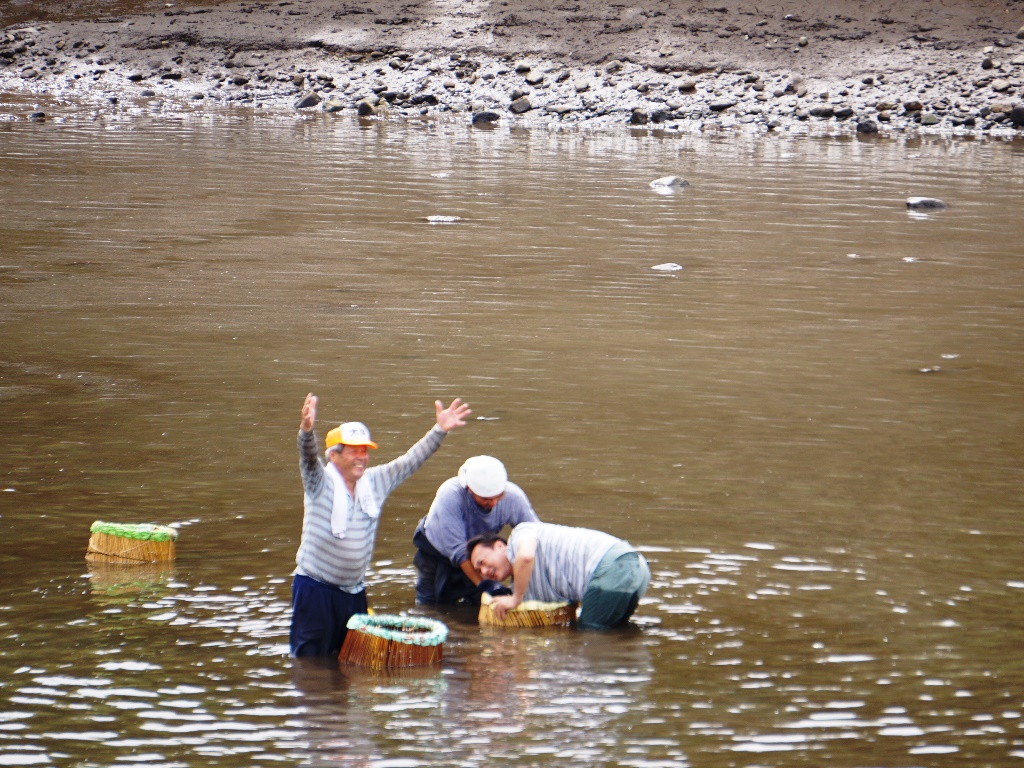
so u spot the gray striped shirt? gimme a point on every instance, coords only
(565, 562)
(343, 562)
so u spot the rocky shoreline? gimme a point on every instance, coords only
(578, 64)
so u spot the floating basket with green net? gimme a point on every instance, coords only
(128, 543)
(384, 641)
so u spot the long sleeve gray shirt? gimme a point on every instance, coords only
(343, 562)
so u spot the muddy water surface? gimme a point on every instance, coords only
(813, 430)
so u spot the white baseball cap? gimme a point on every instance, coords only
(484, 475)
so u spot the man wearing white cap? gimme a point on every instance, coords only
(481, 499)
(342, 502)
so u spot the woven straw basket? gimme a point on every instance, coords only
(385, 642)
(529, 613)
(130, 544)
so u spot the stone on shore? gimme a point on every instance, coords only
(308, 99)
(520, 106)
(486, 118)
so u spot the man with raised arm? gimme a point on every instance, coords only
(556, 563)
(342, 502)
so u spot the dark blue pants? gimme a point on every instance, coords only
(437, 580)
(319, 615)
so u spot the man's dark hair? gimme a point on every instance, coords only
(487, 539)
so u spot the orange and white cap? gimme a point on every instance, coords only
(350, 433)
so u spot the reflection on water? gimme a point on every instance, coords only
(812, 430)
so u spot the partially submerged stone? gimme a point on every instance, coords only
(919, 203)
(669, 182)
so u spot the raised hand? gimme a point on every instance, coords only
(452, 416)
(308, 413)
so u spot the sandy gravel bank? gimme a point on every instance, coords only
(926, 65)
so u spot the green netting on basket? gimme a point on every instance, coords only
(138, 531)
(411, 630)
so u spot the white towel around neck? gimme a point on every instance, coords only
(342, 500)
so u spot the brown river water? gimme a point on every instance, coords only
(814, 431)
